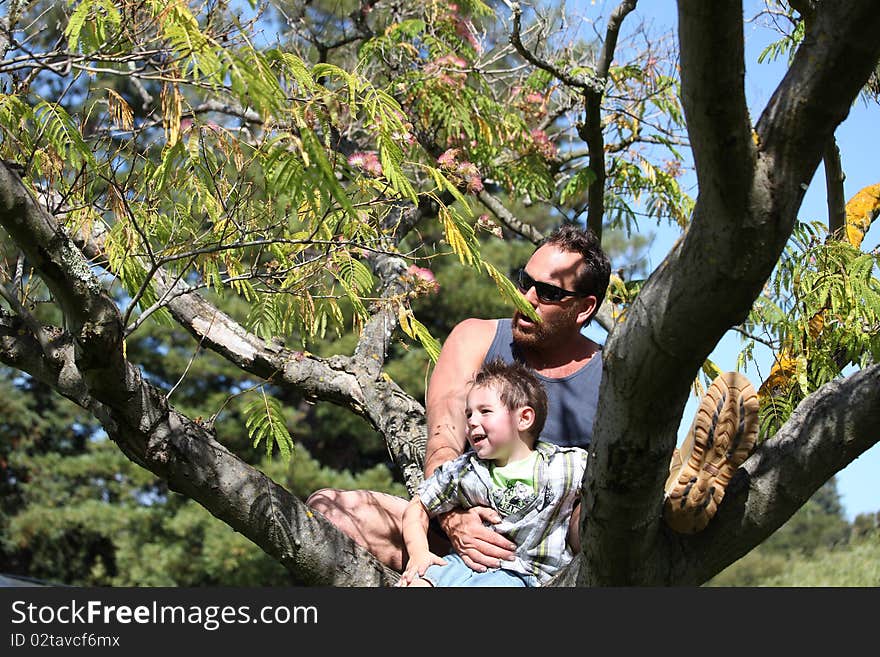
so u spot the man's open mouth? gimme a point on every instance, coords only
(519, 318)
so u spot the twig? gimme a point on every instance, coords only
(508, 219)
(590, 84)
(191, 360)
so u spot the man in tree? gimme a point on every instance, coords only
(565, 282)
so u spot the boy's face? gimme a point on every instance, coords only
(492, 429)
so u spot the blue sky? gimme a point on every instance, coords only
(859, 142)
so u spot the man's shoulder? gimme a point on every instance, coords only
(473, 327)
(471, 338)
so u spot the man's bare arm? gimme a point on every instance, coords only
(460, 358)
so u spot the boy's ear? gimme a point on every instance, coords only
(526, 418)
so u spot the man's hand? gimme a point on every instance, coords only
(480, 547)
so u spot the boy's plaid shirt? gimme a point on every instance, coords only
(540, 527)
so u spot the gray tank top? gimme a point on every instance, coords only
(572, 400)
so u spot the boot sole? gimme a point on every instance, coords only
(724, 434)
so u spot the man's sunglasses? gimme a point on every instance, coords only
(546, 292)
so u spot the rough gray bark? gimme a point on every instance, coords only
(355, 382)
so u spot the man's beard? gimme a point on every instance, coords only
(539, 336)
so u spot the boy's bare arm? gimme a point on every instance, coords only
(415, 528)
(415, 538)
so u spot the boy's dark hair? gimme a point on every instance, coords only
(517, 386)
(594, 276)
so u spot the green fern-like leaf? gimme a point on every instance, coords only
(510, 292)
(197, 52)
(445, 185)
(265, 424)
(460, 235)
(173, 164)
(254, 81)
(391, 157)
(62, 133)
(353, 272)
(15, 114)
(75, 24)
(320, 164)
(95, 17)
(295, 68)
(577, 184)
(418, 331)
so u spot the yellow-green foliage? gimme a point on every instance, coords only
(820, 310)
(265, 423)
(267, 208)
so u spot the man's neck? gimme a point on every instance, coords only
(562, 360)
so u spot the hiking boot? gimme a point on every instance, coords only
(722, 436)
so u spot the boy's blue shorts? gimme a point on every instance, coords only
(457, 573)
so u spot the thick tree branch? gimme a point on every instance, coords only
(828, 431)
(372, 346)
(347, 382)
(187, 456)
(91, 317)
(340, 380)
(713, 96)
(591, 130)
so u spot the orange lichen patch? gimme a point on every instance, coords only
(861, 211)
(817, 323)
(785, 366)
(777, 382)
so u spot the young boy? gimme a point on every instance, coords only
(533, 485)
